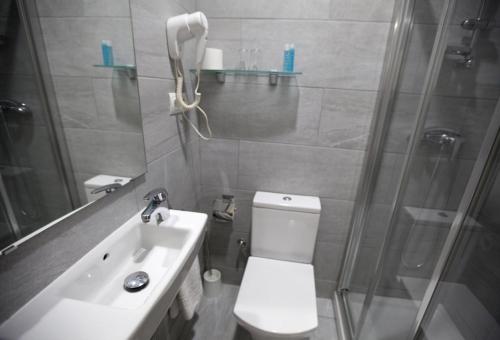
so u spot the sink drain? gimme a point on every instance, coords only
(136, 281)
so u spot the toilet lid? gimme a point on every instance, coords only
(277, 297)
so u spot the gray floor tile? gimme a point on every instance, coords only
(215, 320)
(325, 307)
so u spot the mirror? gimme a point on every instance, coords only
(70, 122)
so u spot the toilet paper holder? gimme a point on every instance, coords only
(224, 208)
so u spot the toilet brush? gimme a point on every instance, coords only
(212, 278)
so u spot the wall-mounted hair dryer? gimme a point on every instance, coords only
(180, 29)
(186, 27)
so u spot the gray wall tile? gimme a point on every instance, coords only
(117, 102)
(75, 98)
(82, 8)
(220, 163)
(354, 61)
(148, 19)
(335, 220)
(98, 103)
(73, 44)
(106, 152)
(179, 179)
(253, 112)
(160, 128)
(345, 118)
(328, 260)
(220, 8)
(225, 34)
(299, 169)
(290, 9)
(378, 10)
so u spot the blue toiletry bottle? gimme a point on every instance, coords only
(291, 63)
(286, 58)
(107, 52)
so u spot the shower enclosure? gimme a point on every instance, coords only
(422, 256)
(36, 180)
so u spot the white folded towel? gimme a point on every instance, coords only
(173, 311)
(191, 291)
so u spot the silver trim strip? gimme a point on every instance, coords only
(341, 317)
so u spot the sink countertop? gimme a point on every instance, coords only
(53, 315)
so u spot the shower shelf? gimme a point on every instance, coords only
(273, 75)
(131, 70)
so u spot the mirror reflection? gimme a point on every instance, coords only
(70, 122)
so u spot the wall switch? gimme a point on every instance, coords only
(174, 107)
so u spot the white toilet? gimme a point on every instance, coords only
(277, 297)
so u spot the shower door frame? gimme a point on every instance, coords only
(402, 24)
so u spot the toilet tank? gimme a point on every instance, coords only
(284, 227)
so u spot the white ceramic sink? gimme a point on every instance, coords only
(88, 301)
(144, 247)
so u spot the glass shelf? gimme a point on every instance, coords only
(273, 75)
(130, 69)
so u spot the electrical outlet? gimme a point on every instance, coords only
(174, 107)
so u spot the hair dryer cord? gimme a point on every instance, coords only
(194, 105)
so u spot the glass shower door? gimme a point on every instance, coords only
(33, 190)
(465, 304)
(442, 107)
(418, 25)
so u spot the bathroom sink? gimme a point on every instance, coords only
(89, 300)
(143, 247)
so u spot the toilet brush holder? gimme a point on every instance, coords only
(212, 283)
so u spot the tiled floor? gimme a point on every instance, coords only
(215, 320)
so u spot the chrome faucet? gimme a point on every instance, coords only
(108, 188)
(155, 198)
(9, 105)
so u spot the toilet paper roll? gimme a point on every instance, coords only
(213, 59)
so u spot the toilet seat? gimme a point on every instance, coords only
(277, 297)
